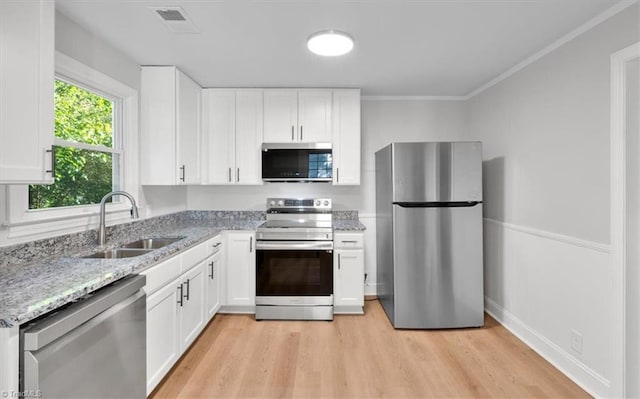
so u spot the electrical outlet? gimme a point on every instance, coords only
(576, 341)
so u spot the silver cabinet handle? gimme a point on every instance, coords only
(180, 302)
(187, 283)
(182, 173)
(338, 174)
(292, 134)
(250, 244)
(238, 175)
(211, 275)
(338, 261)
(53, 162)
(350, 241)
(300, 132)
(229, 175)
(216, 245)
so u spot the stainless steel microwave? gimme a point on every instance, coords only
(291, 162)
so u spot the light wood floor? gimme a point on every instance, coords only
(359, 357)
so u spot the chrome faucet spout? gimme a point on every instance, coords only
(102, 229)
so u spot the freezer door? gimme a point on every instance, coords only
(437, 172)
(438, 276)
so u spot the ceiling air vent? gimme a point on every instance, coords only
(175, 19)
(171, 15)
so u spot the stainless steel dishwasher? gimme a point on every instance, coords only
(92, 348)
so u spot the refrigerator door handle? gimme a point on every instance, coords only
(458, 204)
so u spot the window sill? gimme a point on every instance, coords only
(46, 223)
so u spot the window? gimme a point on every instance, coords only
(87, 157)
(93, 158)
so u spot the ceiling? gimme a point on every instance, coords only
(402, 47)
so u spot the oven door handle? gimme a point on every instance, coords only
(293, 245)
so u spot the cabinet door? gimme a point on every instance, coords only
(188, 129)
(158, 164)
(219, 110)
(349, 278)
(240, 269)
(314, 116)
(248, 137)
(280, 116)
(163, 333)
(193, 301)
(346, 137)
(213, 287)
(26, 91)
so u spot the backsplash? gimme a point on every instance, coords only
(32, 251)
(25, 253)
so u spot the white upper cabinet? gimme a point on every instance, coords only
(170, 127)
(232, 134)
(297, 116)
(188, 129)
(346, 137)
(26, 91)
(280, 116)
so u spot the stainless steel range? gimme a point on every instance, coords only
(294, 260)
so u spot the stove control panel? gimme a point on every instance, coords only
(299, 203)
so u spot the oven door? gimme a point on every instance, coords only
(294, 273)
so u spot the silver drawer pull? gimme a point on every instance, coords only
(349, 241)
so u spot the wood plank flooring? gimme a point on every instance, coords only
(359, 357)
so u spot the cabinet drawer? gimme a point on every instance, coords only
(348, 240)
(161, 274)
(214, 245)
(194, 255)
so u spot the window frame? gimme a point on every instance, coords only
(21, 222)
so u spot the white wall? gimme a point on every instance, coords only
(77, 42)
(382, 122)
(546, 146)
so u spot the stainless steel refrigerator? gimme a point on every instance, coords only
(429, 234)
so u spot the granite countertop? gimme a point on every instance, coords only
(348, 225)
(31, 285)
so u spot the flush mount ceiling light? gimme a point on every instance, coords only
(330, 43)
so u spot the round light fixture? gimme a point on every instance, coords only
(330, 43)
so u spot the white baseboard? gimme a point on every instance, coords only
(541, 286)
(577, 371)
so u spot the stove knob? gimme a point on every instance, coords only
(280, 203)
(326, 202)
(318, 203)
(272, 203)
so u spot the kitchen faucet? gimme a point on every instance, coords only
(102, 229)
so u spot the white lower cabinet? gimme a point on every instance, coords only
(213, 265)
(348, 273)
(240, 272)
(192, 313)
(163, 333)
(178, 298)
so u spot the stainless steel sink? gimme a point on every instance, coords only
(152, 243)
(119, 253)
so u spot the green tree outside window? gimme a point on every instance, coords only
(84, 156)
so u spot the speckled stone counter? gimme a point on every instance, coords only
(348, 225)
(40, 276)
(28, 290)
